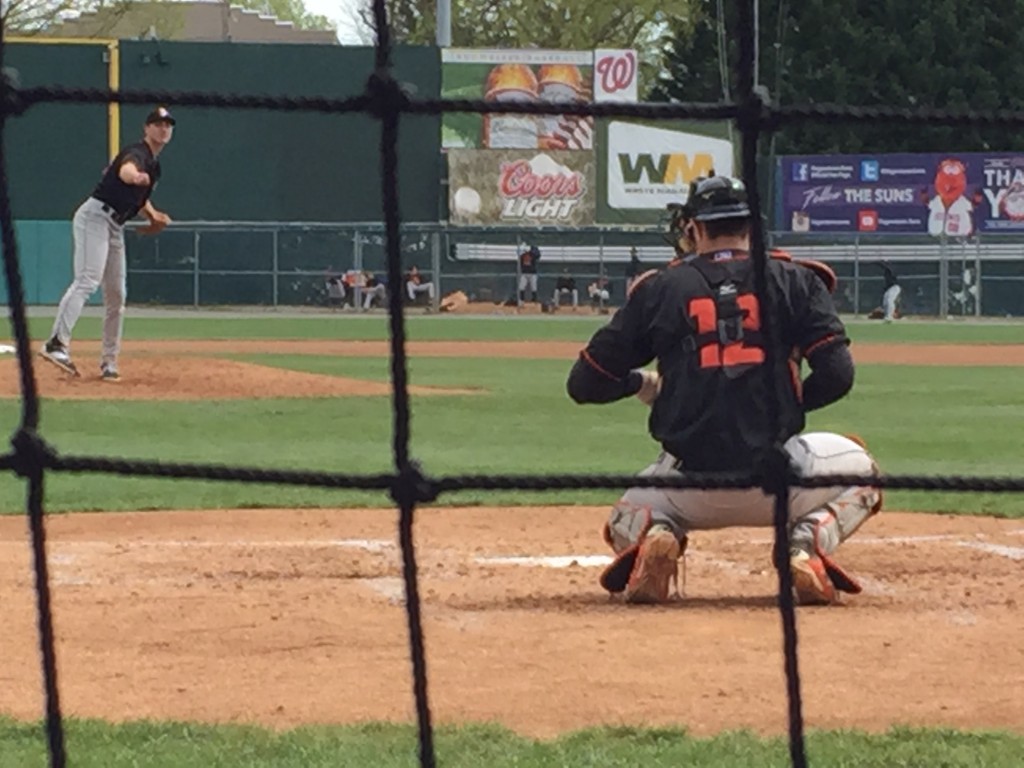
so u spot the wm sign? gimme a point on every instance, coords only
(649, 167)
(675, 169)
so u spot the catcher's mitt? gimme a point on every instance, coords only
(157, 224)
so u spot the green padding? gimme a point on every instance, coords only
(44, 256)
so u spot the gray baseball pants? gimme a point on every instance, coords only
(99, 260)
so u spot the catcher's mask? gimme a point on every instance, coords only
(677, 218)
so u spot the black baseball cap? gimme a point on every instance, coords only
(160, 115)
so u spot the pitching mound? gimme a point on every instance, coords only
(196, 378)
(286, 617)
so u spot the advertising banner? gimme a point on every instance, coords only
(645, 166)
(521, 187)
(514, 75)
(956, 194)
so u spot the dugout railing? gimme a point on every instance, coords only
(32, 457)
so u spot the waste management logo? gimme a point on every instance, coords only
(649, 167)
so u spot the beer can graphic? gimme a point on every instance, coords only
(505, 83)
(561, 84)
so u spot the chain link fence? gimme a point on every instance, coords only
(277, 264)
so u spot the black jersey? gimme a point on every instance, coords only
(700, 319)
(890, 275)
(528, 260)
(127, 199)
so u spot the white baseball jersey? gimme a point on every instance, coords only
(955, 221)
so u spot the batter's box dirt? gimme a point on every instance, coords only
(275, 616)
(182, 377)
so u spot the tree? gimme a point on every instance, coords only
(554, 24)
(37, 17)
(904, 53)
(31, 17)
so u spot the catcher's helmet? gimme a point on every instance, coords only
(713, 198)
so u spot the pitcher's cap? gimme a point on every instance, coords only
(160, 115)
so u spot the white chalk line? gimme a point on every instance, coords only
(68, 569)
(1014, 553)
(368, 545)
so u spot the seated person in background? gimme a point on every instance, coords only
(599, 292)
(373, 290)
(335, 289)
(565, 284)
(414, 285)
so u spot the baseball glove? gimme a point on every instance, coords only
(157, 224)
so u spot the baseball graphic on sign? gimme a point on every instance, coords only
(467, 201)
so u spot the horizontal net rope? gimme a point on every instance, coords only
(20, 99)
(21, 463)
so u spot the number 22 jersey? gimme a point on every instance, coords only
(701, 320)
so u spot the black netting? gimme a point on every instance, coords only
(384, 98)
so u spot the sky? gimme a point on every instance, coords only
(338, 12)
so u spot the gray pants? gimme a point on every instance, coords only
(98, 261)
(820, 518)
(889, 301)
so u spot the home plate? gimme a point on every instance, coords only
(559, 561)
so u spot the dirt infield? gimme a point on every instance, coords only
(184, 377)
(287, 617)
(183, 370)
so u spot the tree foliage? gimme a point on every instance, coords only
(550, 24)
(32, 17)
(36, 17)
(925, 53)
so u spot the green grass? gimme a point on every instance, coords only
(334, 327)
(926, 420)
(93, 744)
(497, 328)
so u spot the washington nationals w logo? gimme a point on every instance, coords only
(616, 72)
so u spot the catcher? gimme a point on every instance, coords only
(98, 230)
(700, 319)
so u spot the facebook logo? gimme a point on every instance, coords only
(801, 172)
(869, 170)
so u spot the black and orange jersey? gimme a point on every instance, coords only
(702, 322)
(528, 259)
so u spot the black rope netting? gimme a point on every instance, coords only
(385, 99)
